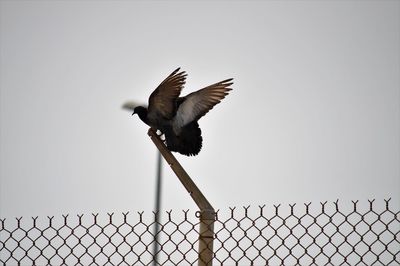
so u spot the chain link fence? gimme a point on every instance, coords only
(359, 233)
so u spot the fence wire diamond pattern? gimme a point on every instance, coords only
(360, 233)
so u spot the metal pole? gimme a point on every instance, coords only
(157, 210)
(207, 212)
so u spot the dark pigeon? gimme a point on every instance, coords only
(176, 117)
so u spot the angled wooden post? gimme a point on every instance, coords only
(207, 212)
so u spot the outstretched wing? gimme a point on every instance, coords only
(198, 103)
(163, 99)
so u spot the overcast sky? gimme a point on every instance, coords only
(314, 114)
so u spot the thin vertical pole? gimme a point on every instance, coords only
(157, 210)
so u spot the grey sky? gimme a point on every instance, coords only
(314, 114)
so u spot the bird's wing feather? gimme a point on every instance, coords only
(198, 103)
(163, 99)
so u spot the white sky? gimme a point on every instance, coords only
(314, 114)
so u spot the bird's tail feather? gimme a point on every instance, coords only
(189, 141)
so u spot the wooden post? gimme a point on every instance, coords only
(207, 212)
(206, 237)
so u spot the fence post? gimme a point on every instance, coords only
(207, 212)
(206, 237)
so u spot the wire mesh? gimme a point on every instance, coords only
(359, 233)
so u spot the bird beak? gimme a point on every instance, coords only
(133, 113)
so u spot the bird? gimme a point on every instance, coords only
(177, 117)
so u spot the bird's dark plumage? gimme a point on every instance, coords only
(176, 117)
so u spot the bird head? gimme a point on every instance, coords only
(135, 110)
(131, 106)
(140, 111)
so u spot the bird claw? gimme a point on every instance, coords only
(161, 136)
